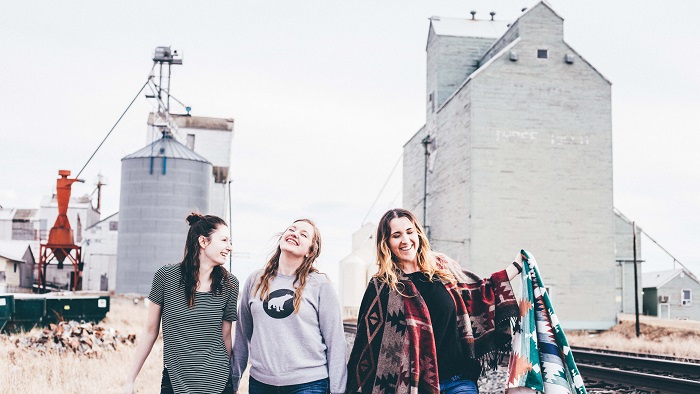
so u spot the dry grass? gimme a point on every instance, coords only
(25, 371)
(678, 338)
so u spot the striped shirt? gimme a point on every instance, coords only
(193, 346)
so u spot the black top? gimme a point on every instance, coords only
(443, 315)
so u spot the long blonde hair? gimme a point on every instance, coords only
(389, 271)
(301, 273)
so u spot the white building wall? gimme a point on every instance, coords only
(212, 139)
(100, 254)
(624, 275)
(524, 160)
(356, 270)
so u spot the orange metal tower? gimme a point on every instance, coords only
(60, 243)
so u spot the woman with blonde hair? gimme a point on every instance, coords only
(425, 324)
(290, 322)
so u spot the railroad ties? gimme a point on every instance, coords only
(608, 369)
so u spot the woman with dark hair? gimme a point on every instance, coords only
(290, 322)
(196, 301)
(425, 324)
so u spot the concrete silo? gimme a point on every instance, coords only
(161, 184)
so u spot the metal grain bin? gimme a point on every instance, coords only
(161, 184)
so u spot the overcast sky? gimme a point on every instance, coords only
(324, 95)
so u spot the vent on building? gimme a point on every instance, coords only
(542, 53)
(569, 58)
(663, 299)
(513, 56)
(220, 174)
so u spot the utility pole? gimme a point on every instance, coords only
(636, 286)
(425, 141)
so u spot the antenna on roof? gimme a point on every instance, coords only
(492, 14)
(473, 14)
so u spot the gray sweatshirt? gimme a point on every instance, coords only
(288, 348)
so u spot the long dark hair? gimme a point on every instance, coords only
(200, 225)
(301, 273)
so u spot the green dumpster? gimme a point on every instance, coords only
(95, 308)
(63, 308)
(29, 311)
(80, 308)
(7, 305)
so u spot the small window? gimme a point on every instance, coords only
(190, 141)
(542, 54)
(432, 102)
(686, 297)
(113, 226)
(15, 267)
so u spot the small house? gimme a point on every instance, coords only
(671, 294)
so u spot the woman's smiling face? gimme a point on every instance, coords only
(297, 239)
(403, 240)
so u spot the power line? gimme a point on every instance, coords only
(675, 260)
(115, 125)
(382, 189)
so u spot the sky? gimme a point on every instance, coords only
(324, 95)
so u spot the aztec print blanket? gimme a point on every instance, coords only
(394, 349)
(541, 359)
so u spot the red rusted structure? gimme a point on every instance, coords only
(60, 244)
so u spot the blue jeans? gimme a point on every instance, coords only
(316, 387)
(457, 385)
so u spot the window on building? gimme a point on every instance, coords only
(114, 226)
(190, 141)
(686, 297)
(431, 98)
(15, 267)
(79, 231)
(542, 54)
(2, 276)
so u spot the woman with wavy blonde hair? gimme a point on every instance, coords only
(425, 324)
(290, 322)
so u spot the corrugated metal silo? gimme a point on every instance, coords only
(161, 184)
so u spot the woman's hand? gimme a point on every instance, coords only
(514, 268)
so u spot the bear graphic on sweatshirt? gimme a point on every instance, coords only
(278, 303)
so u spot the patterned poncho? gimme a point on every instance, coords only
(394, 349)
(541, 360)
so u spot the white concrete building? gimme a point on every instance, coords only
(100, 254)
(17, 265)
(356, 269)
(211, 138)
(19, 224)
(521, 157)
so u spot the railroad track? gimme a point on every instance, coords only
(612, 371)
(642, 372)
